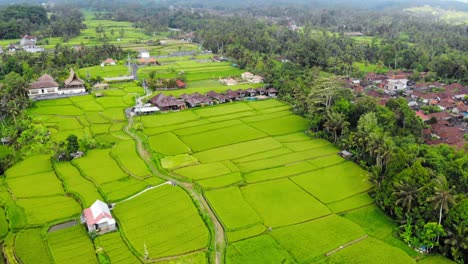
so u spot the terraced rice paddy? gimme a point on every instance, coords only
(277, 192)
(280, 196)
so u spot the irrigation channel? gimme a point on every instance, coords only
(220, 240)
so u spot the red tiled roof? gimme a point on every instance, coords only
(422, 115)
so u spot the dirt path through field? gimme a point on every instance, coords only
(220, 241)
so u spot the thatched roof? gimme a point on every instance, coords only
(45, 81)
(73, 79)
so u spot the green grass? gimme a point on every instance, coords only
(3, 223)
(435, 259)
(233, 215)
(279, 172)
(121, 189)
(114, 114)
(222, 109)
(116, 249)
(107, 171)
(335, 183)
(163, 219)
(178, 161)
(368, 67)
(174, 128)
(263, 117)
(30, 165)
(96, 118)
(312, 239)
(165, 119)
(287, 158)
(282, 125)
(89, 106)
(104, 72)
(168, 144)
(56, 102)
(125, 153)
(238, 150)
(281, 202)
(196, 258)
(99, 129)
(294, 137)
(372, 220)
(221, 181)
(30, 247)
(204, 128)
(369, 251)
(233, 236)
(262, 249)
(232, 116)
(40, 184)
(306, 145)
(263, 155)
(64, 123)
(75, 183)
(40, 211)
(72, 245)
(204, 171)
(64, 110)
(327, 161)
(264, 104)
(111, 102)
(221, 137)
(356, 201)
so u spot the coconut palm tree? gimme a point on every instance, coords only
(335, 123)
(406, 193)
(457, 239)
(444, 196)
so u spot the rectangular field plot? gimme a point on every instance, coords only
(372, 220)
(56, 102)
(165, 119)
(286, 159)
(126, 155)
(167, 144)
(114, 114)
(39, 184)
(265, 104)
(116, 249)
(232, 116)
(64, 123)
(234, 215)
(177, 127)
(96, 118)
(165, 219)
(99, 129)
(263, 117)
(178, 161)
(233, 236)
(263, 155)
(305, 145)
(262, 249)
(40, 211)
(30, 165)
(71, 245)
(282, 125)
(64, 110)
(370, 251)
(281, 202)
(309, 240)
(222, 110)
(238, 150)
(123, 188)
(279, 172)
(327, 161)
(294, 137)
(335, 183)
(353, 202)
(111, 102)
(30, 247)
(207, 127)
(221, 137)
(89, 106)
(77, 184)
(221, 181)
(108, 170)
(204, 171)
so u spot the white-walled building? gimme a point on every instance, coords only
(44, 85)
(98, 218)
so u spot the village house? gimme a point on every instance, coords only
(251, 92)
(229, 82)
(261, 91)
(101, 86)
(148, 61)
(45, 85)
(217, 59)
(108, 61)
(396, 83)
(13, 48)
(216, 96)
(166, 103)
(73, 85)
(272, 92)
(144, 54)
(98, 218)
(28, 43)
(180, 84)
(231, 95)
(241, 92)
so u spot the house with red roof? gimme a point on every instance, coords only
(421, 115)
(98, 218)
(108, 61)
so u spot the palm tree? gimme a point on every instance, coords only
(406, 193)
(443, 197)
(457, 240)
(335, 122)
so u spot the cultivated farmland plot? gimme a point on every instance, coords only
(280, 196)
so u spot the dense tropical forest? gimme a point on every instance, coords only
(424, 188)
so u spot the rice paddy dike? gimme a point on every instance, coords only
(251, 186)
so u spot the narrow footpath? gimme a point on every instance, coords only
(220, 241)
